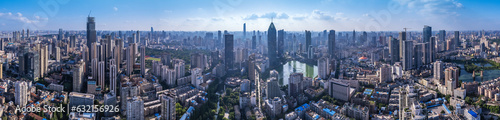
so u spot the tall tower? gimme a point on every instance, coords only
(457, 39)
(112, 76)
(271, 44)
(228, 51)
(91, 35)
(331, 43)
(407, 55)
(102, 74)
(402, 38)
(394, 49)
(308, 40)
(244, 31)
(130, 60)
(143, 63)
(427, 33)
(281, 42)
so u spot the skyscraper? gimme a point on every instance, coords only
(281, 42)
(457, 39)
(143, 63)
(130, 60)
(91, 35)
(402, 38)
(438, 70)
(219, 37)
(118, 53)
(331, 44)
(59, 36)
(244, 31)
(58, 54)
(353, 36)
(308, 40)
(228, 51)
(407, 55)
(273, 89)
(112, 76)
(78, 76)
(21, 94)
(442, 35)
(427, 33)
(254, 42)
(271, 44)
(101, 74)
(394, 49)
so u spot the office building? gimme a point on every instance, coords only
(281, 43)
(294, 87)
(331, 44)
(228, 51)
(271, 44)
(143, 63)
(273, 89)
(308, 40)
(457, 39)
(91, 36)
(394, 49)
(407, 55)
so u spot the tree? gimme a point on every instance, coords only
(442, 111)
(468, 100)
(179, 110)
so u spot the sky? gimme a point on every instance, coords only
(290, 15)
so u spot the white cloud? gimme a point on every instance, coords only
(433, 8)
(115, 8)
(268, 15)
(20, 18)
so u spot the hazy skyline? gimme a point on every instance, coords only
(291, 15)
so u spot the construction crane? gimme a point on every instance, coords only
(406, 28)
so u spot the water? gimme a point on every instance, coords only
(487, 74)
(296, 66)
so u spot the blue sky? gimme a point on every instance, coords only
(291, 15)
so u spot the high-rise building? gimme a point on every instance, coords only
(118, 54)
(112, 76)
(308, 40)
(418, 53)
(442, 35)
(254, 42)
(353, 36)
(331, 44)
(402, 38)
(165, 59)
(385, 73)
(58, 54)
(457, 39)
(427, 34)
(219, 37)
(130, 60)
(21, 94)
(91, 35)
(244, 31)
(43, 59)
(78, 73)
(143, 63)
(438, 70)
(323, 68)
(407, 55)
(294, 87)
(135, 108)
(451, 75)
(394, 49)
(110, 100)
(228, 51)
(101, 74)
(167, 107)
(273, 89)
(271, 44)
(251, 67)
(281, 42)
(432, 50)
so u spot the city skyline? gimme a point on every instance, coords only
(198, 15)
